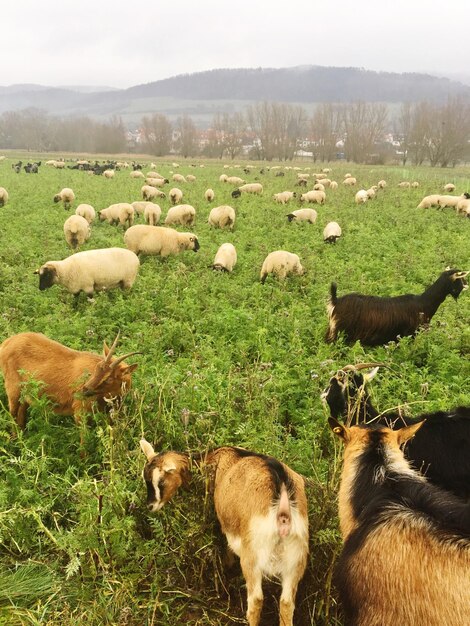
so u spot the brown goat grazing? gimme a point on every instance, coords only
(72, 380)
(406, 553)
(262, 509)
(374, 320)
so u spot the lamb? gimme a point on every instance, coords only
(149, 193)
(209, 195)
(73, 381)
(331, 232)
(449, 187)
(281, 263)
(256, 188)
(152, 213)
(3, 196)
(136, 174)
(158, 240)
(86, 211)
(66, 196)
(262, 510)
(222, 217)
(371, 192)
(108, 173)
(284, 197)
(122, 212)
(76, 230)
(404, 184)
(349, 181)
(313, 196)
(361, 196)
(183, 214)
(225, 258)
(303, 215)
(175, 195)
(406, 553)
(429, 201)
(376, 320)
(178, 178)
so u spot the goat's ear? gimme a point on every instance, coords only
(407, 432)
(147, 448)
(339, 429)
(169, 467)
(368, 376)
(131, 368)
(459, 274)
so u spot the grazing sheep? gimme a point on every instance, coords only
(429, 201)
(153, 174)
(178, 178)
(159, 241)
(350, 181)
(76, 230)
(108, 173)
(451, 201)
(222, 217)
(234, 180)
(122, 213)
(318, 187)
(280, 263)
(303, 215)
(66, 196)
(331, 232)
(225, 258)
(449, 187)
(371, 193)
(463, 205)
(284, 196)
(406, 552)
(326, 170)
(91, 270)
(86, 211)
(136, 174)
(190, 178)
(326, 182)
(183, 214)
(415, 184)
(348, 175)
(73, 381)
(361, 196)
(404, 184)
(149, 193)
(3, 196)
(152, 213)
(381, 184)
(156, 182)
(223, 178)
(175, 195)
(313, 196)
(209, 195)
(375, 320)
(333, 185)
(262, 510)
(256, 188)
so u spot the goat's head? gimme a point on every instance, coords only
(111, 377)
(456, 281)
(164, 473)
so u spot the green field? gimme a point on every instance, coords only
(225, 360)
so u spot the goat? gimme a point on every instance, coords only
(262, 509)
(71, 379)
(440, 449)
(374, 320)
(406, 552)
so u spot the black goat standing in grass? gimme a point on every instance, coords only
(374, 320)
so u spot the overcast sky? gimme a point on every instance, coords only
(121, 43)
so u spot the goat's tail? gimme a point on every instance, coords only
(284, 518)
(333, 297)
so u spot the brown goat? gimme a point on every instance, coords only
(406, 554)
(72, 380)
(262, 509)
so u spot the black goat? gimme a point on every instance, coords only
(374, 320)
(440, 449)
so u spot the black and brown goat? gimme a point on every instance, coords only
(440, 449)
(262, 509)
(406, 552)
(375, 320)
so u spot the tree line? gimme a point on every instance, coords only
(438, 134)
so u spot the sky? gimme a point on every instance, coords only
(121, 43)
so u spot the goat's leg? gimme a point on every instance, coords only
(290, 581)
(254, 578)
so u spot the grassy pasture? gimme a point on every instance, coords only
(226, 361)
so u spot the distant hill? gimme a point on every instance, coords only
(204, 93)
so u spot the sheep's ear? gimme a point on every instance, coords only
(407, 432)
(147, 448)
(339, 429)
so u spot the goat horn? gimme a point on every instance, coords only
(121, 358)
(361, 366)
(112, 348)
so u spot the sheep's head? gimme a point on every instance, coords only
(47, 276)
(189, 242)
(57, 198)
(163, 474)
(236, 193)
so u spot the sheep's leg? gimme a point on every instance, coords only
(253, 577)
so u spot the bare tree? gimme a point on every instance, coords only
(187, 143)
(364, 126)
(157, 131)
(325, 130)
(278, 127)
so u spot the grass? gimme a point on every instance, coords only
(225, 361)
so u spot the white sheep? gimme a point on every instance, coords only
(175, 195)
(156, 182)
(152, 213)
(303, 215)
(348, 175)
(326, 170)
(428, 201)
(223, 178)
(313, 196)
(122, 213)
(178, 178)
(361, 196)
(149, 193)
(153, 174)
(76, 230)
(463, 205)
(318, 187)
(449, 187)
(222, 217)
(91, 270)
(281, 263)
(331, 232)
(234, 180)
(382, 184)
(139, 206)
(3, 196)
(136, 174)
(450, 201)
(190, 178)
(333, 185)
(183, 214)
(372, 192)
(404, 184)
(349, 181)
(66, 196)
(108, 173)
(225, 258)
(86, 211)
(284, 196)
(326, 182)
(415, 184)
(209, 195)
(256, 188)
(159, 241)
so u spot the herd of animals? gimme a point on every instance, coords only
(404, 513)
